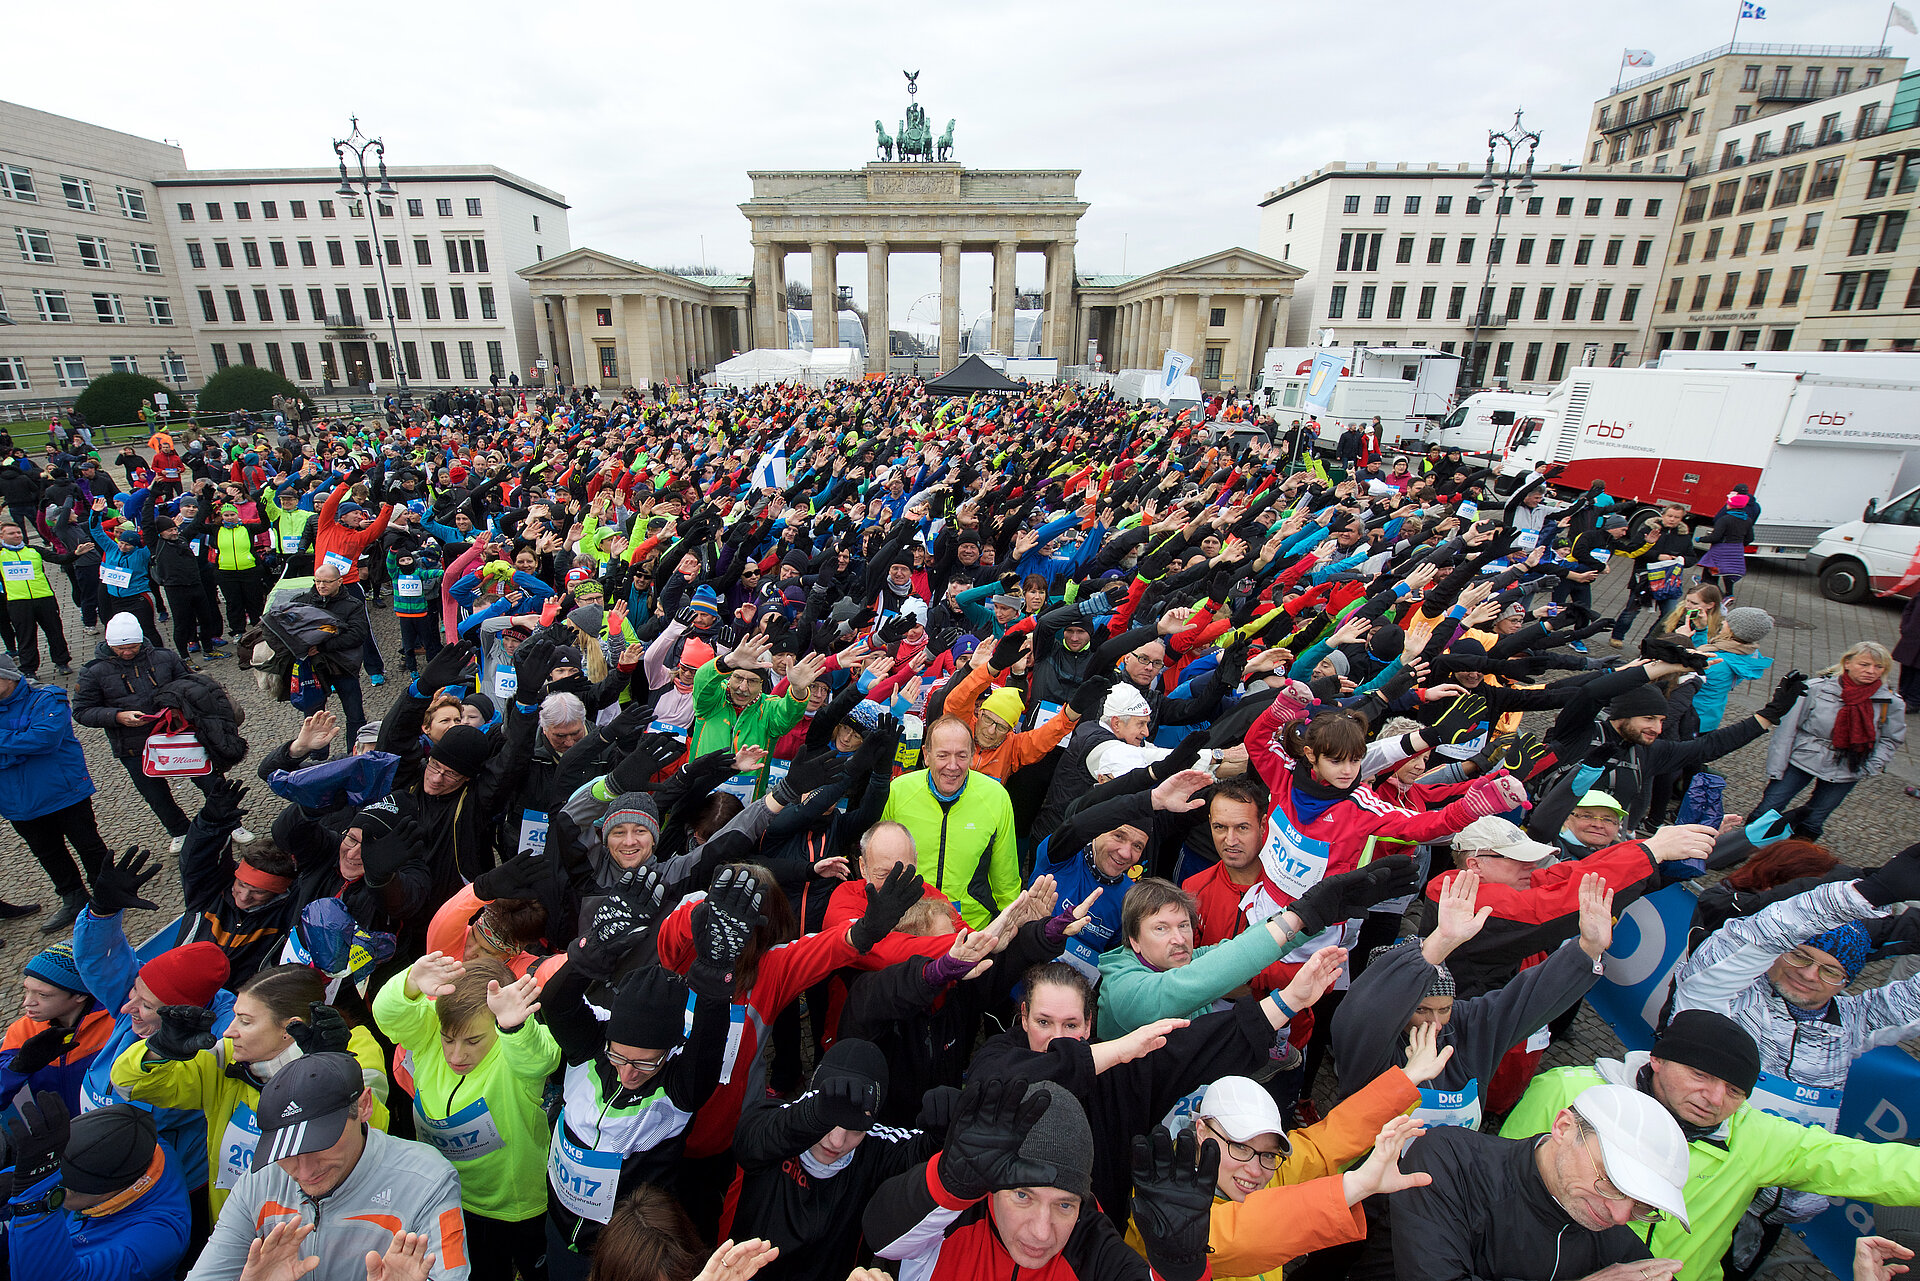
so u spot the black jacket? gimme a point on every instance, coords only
(342, 649)
(252, 938)
(109, 685)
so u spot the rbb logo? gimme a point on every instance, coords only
(1826, 418)
(1606, 431)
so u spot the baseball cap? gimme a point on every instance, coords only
(1241, 1110)
(1495, 835)
(1641, 1145)
(307, 1105)
(1124, 700)
(1598, 800)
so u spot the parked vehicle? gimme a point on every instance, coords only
(1877, 555)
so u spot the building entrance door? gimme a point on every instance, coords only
(358, 364)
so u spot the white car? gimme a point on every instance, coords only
(1877, 555)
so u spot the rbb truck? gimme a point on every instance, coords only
(1812, 448)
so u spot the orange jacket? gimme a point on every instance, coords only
(1017, 750)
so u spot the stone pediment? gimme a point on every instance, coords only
(588, 264)
(1234, 262)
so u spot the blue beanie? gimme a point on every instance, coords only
(347, 509)
(865, 716)
(704, 597)
(55, 966)
(1847, 944)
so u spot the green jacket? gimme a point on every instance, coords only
(719, 726)
(497, 1105)
(966, 847)
(1131, 995)
(34, 583)
(1752, 1150)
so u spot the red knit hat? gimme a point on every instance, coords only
(187, 975)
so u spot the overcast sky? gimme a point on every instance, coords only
(647, 117)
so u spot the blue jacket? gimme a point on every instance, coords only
(145, 1241)
(42, 768)
(108, 966)
(134, 562)
(1723, 673)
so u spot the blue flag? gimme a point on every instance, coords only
(1748, 9)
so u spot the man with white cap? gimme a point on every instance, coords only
(1556, 1206)
(1125, 719)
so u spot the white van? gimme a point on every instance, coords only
(1877, 555)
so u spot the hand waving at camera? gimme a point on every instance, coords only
(885, 906)
(982, 1149)
(1173, 1201)
(117, 885)
(323, 1031)
(185, 1030)
(723, 924)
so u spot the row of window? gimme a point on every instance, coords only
(344, 311)
(1743, 239)
(1360, 250)
(1570, 307)
(71, 371)
(1723, 339)
(1530, 362)
(16, 183)
(51, 306)
(270, 209)
(333, 364)
(463, 253)
(36, 246)
(1563, 207)
(1825, 181)
(1730, 290)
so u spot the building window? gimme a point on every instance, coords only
(1862, 241)
(269, 209)
(159, 311)
(401, 309)
(1412, 206)
(393, 253)
(1466, 250)
(445, 209)
(1712, 250)
(277, 249)
(1217, 318)
(410, 356)
(1756, 197)
(289, 306)
(1563, 207)
(1629, 303)
(16, 183)
(1571, 311)
(79, 193)
(1700, 293)
(1593, 206)
(1724, 196)
(1383, 204)
(220, 355)
(1363, 312)
(1871, 290)
(107, 309)
(1495, 248)
(185, 211)
(1555, 248)
(473, 206)
(1669, 134)
(457, 298)
(326, 211)
(213, 211)
(1673, 294)
(1696, 207)
(1516, 300)
(208, 312)
(1761, 279)
(1846, 290)
(414, 209)
(133, 204)
(244, 213)
(1583, 252)
(1456, 302)
(70, 371)
(1796, 278)
(1826, 178)
(1351, 205)
(1535, 204)
(1740, 240)
(1405, 251)
(468, 369)
(1741, 114)
(1809, 230)
(1425, 311)
(1531, 364)
(1601, 298)
(235, 308)
(1558, 369)
(13, 374)
(246, 353)
(336, 254)
(1788, 191)
(1209, 364)
(1397, 301)
(1473, 204)
(422, 251)
(439, 351)
(263, 305)
(317, 304)
(1881, 180)
(1891, 225)
(1614, 246)
(1436, 249)
(301, 369)
(250, 250)
(430, 304)
(93, 252)
(306, 254)
(273, 359)
(298, 208)
(1443, 204)
(51, 306)
(1543, 305)
(1336, 302)
(1643, 252)
(1523, 252)
(364, 251)
(1776, 232)
(373, 303)
(1503, 360)
(36, 245)
(223, 253)
(1729, 290)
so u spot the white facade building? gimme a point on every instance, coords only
(281, 271)
(89, 285)
(1404, 255)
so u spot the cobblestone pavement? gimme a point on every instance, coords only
(1811, 631)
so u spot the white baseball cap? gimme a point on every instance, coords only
(1113, 758)
(1124, 700)
(1641, 1145)
(1241, 1110)
(1495, 835)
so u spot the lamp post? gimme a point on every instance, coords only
(1513, 139)
(358, 144)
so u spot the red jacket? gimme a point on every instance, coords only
(335, 538)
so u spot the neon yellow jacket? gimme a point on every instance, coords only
(966, 847)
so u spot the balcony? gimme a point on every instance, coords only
(1631, 121)
(1788, 94)
(344, 320)
(1489, 320)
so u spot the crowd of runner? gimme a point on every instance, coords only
(820, 830)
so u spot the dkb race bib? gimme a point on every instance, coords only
(237, 1142)
(1808, 1104)
(467, 1135)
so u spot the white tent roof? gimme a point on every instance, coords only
(763, 365)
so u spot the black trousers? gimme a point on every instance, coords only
(194, 622)
(48, 837)
(158, 793)
(30, 617)
(246, 597)
(497, 1248)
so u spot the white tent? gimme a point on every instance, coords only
(763, 365)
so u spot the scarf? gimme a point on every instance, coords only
(1853, 728)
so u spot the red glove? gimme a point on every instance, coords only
(550, 611)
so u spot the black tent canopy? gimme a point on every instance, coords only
(971, 375)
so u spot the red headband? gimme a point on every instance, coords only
(248, 874)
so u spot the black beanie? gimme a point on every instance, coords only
(1386, 641)
(480, 703)
(464, 750)
(1468, 646)
(1641, 700)
(649, 1012)
(850, 1058)
(1062, 1140)
(109, 1148)
(1712, 1043)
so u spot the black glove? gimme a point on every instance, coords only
(532, 663)
(116, 886)
(687, 617)
(448, 667)
(38, 1136)
(323, 1031)
(941, 641)
(1006, 651)
(42, 1048)
(886, 905)
(523, 876)
(878, 746)
(1184, 756)
(938, 1107)
(653, 753)
(616, 929)
(1894, 935)
(383, 858)
(185, 1030)
(1088, 698)
(982, 1150)
(895, 629)
(1173, 1201)
(1350, 894)
(723, 924)
(222, 810)
(807, 775)
(1233, 665)
(642, 891)
(1895, 882)
(1785, 695)
(843, 1102)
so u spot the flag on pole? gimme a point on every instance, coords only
(1639, 58)
(1898, 17)
(771, 471)
(1748, 9)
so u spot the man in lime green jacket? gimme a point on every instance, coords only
(961, 822)
(732, 708)
(1701, 1070)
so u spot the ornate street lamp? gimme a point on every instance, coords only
(359, 145)
(1520, 180)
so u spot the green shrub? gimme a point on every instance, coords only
(244, 387)
(114, 399)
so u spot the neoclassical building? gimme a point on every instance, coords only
(609, 322)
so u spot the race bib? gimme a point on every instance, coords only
(1450, 1107)
(467, 1135)
(533, 832)
(586, 1181)
(1808, 1104)
(237, 1142)
(1602, 554)
(740, 785)
(339, 562)
(1294, 863)
(1526, 540)
(114, 577)
(505, 682)
(91, 1099)
(18, 571)
(290, 544)
(409, 587)
(1539, 1041)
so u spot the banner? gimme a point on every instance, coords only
(1173, 370)
(1322, 378)
(1638, 58)
(1882, 1099)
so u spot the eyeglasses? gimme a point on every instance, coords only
(1799, 960)
(1269, 1161)
(1642, 1212)
(643, 1065)
(1144, 661)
